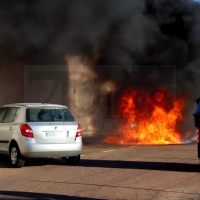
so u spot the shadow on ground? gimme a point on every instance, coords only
(5, 162)
(120, 164)
(32, 195)
(143, 165)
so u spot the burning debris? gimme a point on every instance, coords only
(147, 121)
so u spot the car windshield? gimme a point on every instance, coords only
(48, 114)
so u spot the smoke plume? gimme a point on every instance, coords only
(133, 36)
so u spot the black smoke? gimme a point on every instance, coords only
(130, 35)
(150, 39)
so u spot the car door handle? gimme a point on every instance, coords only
(10, 128)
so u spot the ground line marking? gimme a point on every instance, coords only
(108, 151)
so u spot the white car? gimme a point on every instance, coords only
(36, 130)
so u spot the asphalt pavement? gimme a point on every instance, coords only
(158, 172)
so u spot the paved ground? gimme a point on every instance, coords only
(108, 172)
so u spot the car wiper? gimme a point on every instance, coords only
(47, 120)
(58, 119)
(52, 119)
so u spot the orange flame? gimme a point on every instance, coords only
(147, 120)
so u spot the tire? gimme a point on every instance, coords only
(73, 160)
(16, 158)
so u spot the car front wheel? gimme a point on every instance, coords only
(15, 157)
(73, 160)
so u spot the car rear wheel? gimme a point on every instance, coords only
(15, 157)
(73, 160)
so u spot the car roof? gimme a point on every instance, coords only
(32, 105)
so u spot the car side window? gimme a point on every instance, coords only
(2, 113)
(11, 115)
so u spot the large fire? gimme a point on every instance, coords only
(148, 121)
